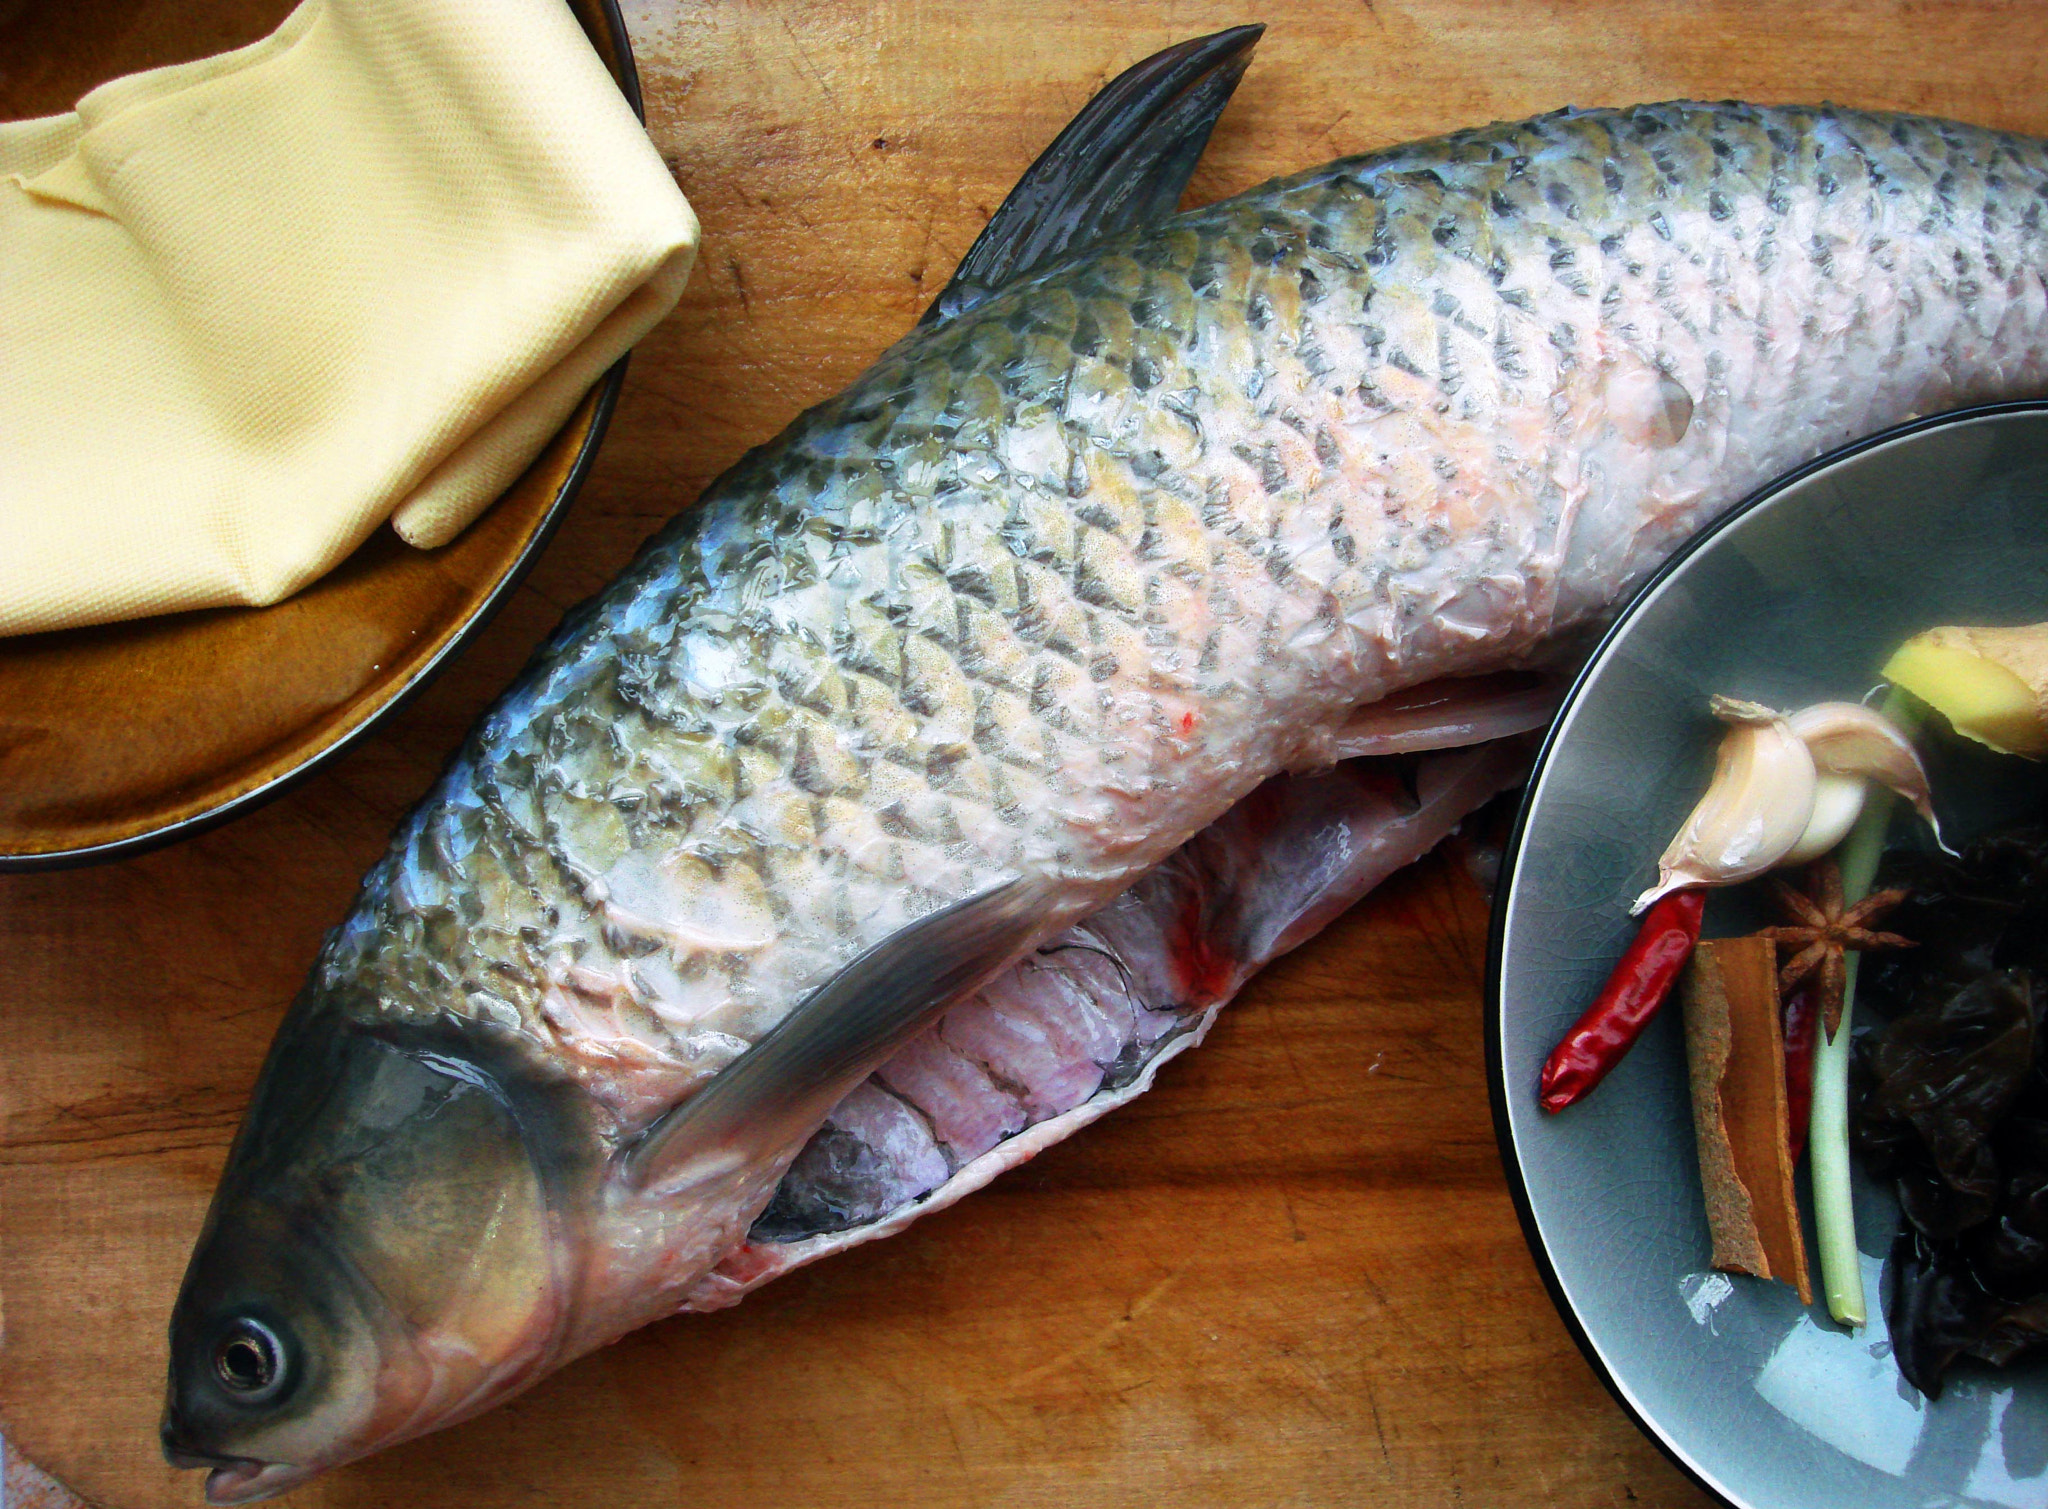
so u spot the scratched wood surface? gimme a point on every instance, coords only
(1290, 1275)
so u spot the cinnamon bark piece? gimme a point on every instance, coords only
(1735, 1048)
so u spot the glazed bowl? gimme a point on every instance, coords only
(1797, 596)
(120, 737)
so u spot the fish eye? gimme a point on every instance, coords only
(249, 1360)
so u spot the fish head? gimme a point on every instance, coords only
(382, 1257)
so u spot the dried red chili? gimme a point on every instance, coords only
(1802, 1031)
(1640, 982)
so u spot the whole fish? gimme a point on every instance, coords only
(912, 798)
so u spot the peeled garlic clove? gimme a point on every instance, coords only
(1755, 809)
(1847, 738)
(1837, 803)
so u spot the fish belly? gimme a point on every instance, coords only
(1084, 1024)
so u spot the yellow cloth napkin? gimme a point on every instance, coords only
(252, 306)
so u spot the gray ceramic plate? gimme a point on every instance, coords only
(1797, 596)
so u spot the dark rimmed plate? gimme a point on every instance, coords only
(1797, 596)
(120, 737)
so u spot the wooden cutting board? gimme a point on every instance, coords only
(1289, 1276)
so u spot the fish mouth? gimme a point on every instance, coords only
(237, 1480)
(232, 1479)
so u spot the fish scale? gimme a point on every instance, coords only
(977, 657)
(1373, 424)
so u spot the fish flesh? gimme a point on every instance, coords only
(915, 796)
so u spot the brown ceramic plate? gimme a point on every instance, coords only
(124, 736)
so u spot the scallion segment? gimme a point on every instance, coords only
(1834, 1212)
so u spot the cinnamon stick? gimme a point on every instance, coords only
(1735, 1048)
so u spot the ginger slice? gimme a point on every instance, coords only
(1735, 1048)
(1991, 684)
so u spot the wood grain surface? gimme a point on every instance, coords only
(1289, 1276)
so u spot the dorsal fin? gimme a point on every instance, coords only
(1122, 162)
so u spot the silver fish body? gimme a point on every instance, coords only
(1062, 580)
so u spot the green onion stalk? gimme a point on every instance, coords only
(1834, 1213)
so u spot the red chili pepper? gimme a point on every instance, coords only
(1627, 1001)
(1802, 1034)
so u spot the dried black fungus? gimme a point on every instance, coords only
(1952, 1104)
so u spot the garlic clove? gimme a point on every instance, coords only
(1755, 809)
(1837, 803)
(1847, 738)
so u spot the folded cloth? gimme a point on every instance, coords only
(252, 306)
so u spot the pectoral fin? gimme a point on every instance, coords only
(1121, 163)
(772, 1096)
(1451, 713)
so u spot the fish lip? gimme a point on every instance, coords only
(242, 1480)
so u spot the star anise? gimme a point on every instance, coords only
(1820, 931)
